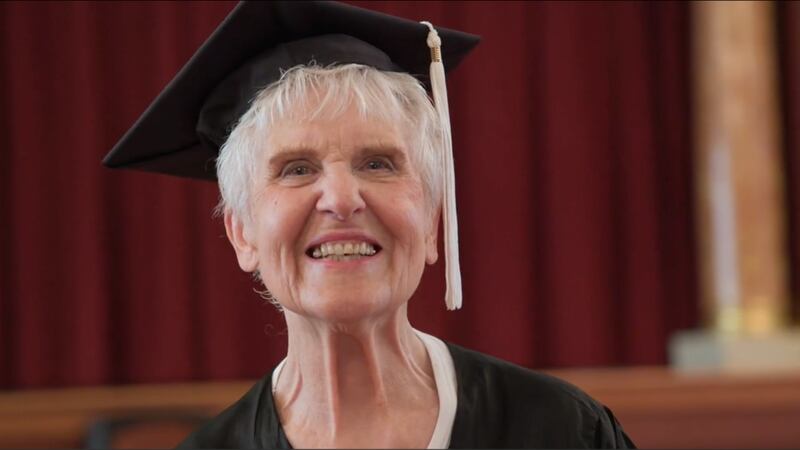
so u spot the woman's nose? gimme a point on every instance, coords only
(341, 193)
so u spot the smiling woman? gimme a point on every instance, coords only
(333, 182)
(334, 167)
(340, 227)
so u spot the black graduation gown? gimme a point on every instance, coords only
(500, 405)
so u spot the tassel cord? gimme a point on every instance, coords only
(453, 295)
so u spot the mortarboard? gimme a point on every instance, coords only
(180, 133)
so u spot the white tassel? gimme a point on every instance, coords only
(439, 87)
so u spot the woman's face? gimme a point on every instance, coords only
(340, 227)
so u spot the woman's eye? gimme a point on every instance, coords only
(297, 170)
(378, 164)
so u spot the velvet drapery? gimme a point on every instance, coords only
(573, 165)
(788, 26)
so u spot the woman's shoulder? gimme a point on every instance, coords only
(527, 408)
(525, 384)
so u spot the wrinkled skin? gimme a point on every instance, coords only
(356, 375)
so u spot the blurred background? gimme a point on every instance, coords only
(628, 183)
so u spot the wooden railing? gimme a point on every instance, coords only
(657, 407)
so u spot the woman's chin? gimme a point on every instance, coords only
(346, 309)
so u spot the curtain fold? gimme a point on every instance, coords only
(788, 24)
(571, 130)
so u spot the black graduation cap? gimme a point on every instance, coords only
(181, 131)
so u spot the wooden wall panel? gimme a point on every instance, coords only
(657, 407)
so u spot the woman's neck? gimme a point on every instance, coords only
(346, 382)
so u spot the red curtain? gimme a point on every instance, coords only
(788, 20)
(571, 125)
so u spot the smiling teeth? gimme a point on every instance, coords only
(340, 249)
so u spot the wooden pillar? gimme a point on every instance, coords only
(740, 194)
(739, 170)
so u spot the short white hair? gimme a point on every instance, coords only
(390, 96)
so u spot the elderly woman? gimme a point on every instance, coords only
(334, 167)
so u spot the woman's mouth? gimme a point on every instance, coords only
(343, 250)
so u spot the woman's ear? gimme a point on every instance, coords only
(240, 239)
(431, 240)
